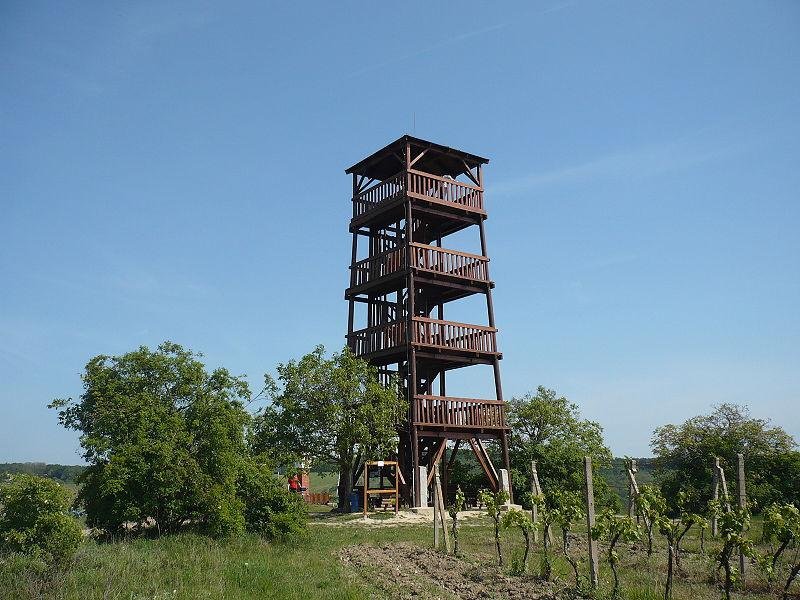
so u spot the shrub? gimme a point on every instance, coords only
(34, 519)
(269, 509)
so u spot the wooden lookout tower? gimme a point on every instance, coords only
(407, 199)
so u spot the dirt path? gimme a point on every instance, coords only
(404, 517)
(404, 570)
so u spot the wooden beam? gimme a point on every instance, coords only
(490, 474)
(488, 460)
(435, 458)
(420, 155)
(468, 173)
(453, 455)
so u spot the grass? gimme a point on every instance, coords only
(192, 566)
(323, 482)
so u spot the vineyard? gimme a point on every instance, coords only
(349, 557)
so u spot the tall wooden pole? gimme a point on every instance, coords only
(588, 488)
(715, 495)
(742, 494)
(534, 508)
(632, 492)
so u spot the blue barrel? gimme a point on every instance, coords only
(355, 501)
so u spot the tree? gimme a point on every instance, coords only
(35, 519)
(494, 501)
(684, 455)
(330, 410)
(548, 429)
(165, 442)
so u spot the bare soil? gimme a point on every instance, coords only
(405, 570)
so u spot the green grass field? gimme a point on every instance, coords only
(190, 566)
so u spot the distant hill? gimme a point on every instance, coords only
(62, 473)
(325, 481)
(618, 480)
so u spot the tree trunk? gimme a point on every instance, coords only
(345, 486)
(649, 537)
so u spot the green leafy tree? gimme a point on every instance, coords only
(521, 520)
(548, 428)
(684, 455)
(494, 501)
(614, 529)
(164, 440)
(332, 410)
(456, 507)
(35, 519)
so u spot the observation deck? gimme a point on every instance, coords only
(443, 413)
(447, 343)
(448, 274)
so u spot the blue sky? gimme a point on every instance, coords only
(176, 172)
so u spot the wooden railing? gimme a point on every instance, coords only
(433, 333)
(437, 189)
(460, 412)
(449, 262)
(454, 336)
(427, 258)
(378, 338)
(441, 189)
(377, 194)
(375, 267)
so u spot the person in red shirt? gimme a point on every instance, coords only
(294, 484)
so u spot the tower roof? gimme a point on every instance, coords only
(437, 160)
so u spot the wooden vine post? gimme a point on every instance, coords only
(742, 494)
(719, 484)
(715, 494)
(439, 525)
(588, 488)
(633, 488)
(536, 490)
